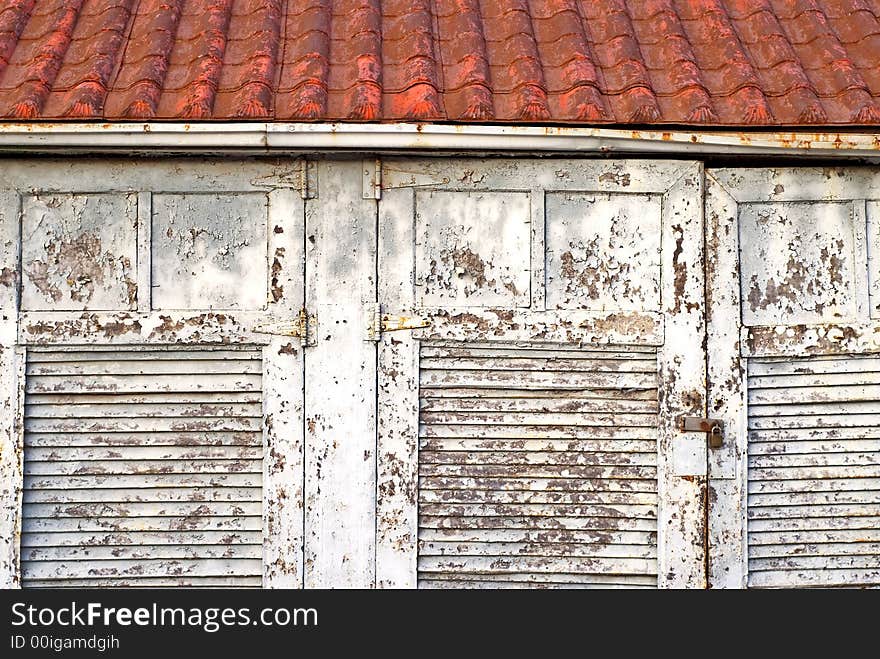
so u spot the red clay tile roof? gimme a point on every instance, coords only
(700, 62)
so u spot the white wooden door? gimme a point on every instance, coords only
(527, 426)
(794, 299)
(152, 423)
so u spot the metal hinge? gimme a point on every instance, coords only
(308, 175)
(394, 179)
(303, 326)
(714, 428)
(372, 179)
(378, 322)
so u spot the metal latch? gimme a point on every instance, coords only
(299, 327)
(378, 322)
(714, 428)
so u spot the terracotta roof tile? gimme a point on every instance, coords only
(692, 62)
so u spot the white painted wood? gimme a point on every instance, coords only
(340, 454)
(106, 226)
(538, 256)
(682, 367)
(490, 423)
(872, 212)
(472, 248)
(144, 267)
(798, 340)
(499, 459)
(631, 328)
(804, 424)
(798, 262)
(726, 390)
(123, 504)
(284, 398)
(208, 250)
(603, 251)
(11, 467)
(79, 251)
(10, 269)
(11, 372)
(398, 400)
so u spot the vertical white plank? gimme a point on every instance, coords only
(11, 454)
(539, 250)
(682, 367)
(283, 393)
(873, 260)
(11, 379)
(340, 460)
(144, 250)
(10, 268)
(861, 278)
(398, 400)
(727, 392)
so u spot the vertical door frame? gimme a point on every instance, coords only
(682, 362)
(282, 355)
(11, 399)
(727, 551)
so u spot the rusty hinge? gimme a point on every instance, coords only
(308, 175)
(378, 177)
(303, 326)
(378, 322)
(372, 179)
(714, 428)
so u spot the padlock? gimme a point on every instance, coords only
(716, 439)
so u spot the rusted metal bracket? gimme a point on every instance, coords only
(714, 428)
(308, 179)
(303, 327)
(394, 179)
(378, 322)
(372, 179)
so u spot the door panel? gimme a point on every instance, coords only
(527, 434)
(154, 413)
(793, 352)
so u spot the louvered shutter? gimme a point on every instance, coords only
(143, 467)
(794, 372)
(537, 465)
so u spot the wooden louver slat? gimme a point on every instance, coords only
(143, 468)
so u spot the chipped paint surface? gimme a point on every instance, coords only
(209, 251)
(79, 252)
(340, 397)
(472, 248)
(527, 479)
(203, 446)
(142, 467)
(471, 484)
(873, 216)
(795, 494)
(559, 337)
(797, 262)
(603, 251)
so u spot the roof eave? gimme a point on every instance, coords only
(277, 137)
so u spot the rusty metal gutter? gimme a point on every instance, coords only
(307, 138)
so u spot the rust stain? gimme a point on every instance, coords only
(8, 278)
(615, 177)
